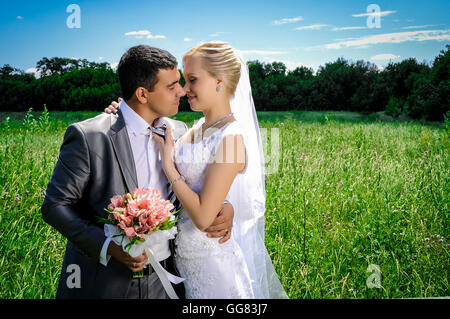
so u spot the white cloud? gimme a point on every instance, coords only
(100, 58)
(423, 35)
(33, 70)
(419, 26)
(344, 39)
(375, 14)
(114, 65)
(347, 28)
(287, 20)
(187, 39)
(144, 33)
(312, 27)
(383, 57)
(150, 36)
(19, 18)
(216, 34)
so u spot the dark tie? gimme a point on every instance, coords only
(153, 129)
(173, 198)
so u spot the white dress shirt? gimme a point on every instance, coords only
(147, 162)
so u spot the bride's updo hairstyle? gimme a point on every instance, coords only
(220, 61)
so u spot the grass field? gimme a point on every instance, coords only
(350, 191)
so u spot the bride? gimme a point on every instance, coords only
(220, 158)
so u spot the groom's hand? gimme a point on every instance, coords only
(221, 227)
(134, 264)
(113, 107)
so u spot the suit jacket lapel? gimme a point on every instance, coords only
(122, 148)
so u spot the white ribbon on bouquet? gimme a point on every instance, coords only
(155, 245)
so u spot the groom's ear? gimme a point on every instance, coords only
(142, 95)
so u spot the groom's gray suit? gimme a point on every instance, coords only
(95, 163)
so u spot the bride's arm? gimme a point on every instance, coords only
(203, 208)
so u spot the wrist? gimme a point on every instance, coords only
(113, 249)
(171, 173)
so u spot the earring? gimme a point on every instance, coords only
(218, 89)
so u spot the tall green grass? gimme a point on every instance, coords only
(349, 191)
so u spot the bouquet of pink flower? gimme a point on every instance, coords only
(136, 217)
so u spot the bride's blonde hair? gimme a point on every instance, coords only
(220, 62)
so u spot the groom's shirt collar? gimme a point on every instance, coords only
(136, 124)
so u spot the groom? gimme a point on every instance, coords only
(104, 156)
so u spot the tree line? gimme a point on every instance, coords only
(419, 90)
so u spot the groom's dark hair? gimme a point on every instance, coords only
(139, 66)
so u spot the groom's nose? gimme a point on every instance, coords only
(180, 90)
(186, 88)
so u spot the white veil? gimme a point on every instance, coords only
(248, 196)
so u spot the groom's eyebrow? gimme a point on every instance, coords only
(173, 83)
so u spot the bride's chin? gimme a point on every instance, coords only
(193, 108)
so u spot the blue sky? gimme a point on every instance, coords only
(308, 33)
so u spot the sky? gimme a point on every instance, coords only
(298, 33)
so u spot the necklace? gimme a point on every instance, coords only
(223, 118)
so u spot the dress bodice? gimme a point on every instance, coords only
(191, 160)
(212, 270)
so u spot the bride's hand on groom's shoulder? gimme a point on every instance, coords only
(166, 148)
(113, 107)
(221, 227)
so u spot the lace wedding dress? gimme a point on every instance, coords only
(212, 270)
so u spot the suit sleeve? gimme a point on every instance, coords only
(65, 189)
